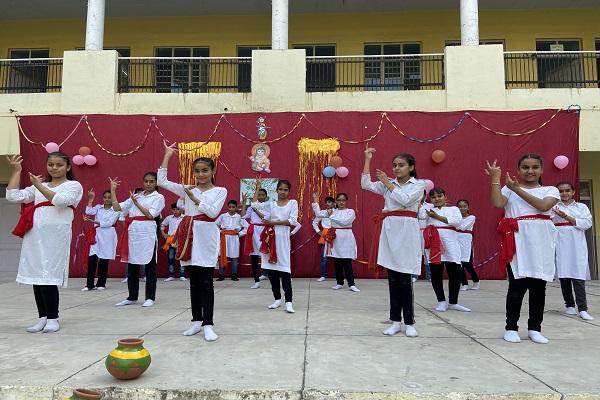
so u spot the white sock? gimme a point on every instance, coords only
(255, 286)
(586, 316)
(354, 289)
(51, 326)
(537, 337)
(394, 328)
(475, 286)
(411, 331)
(441, 306)
(125, 303)
(289, 308)
(337, 287)
(38, 327)
(148, 303)
(570, 311)
(209, 334)
(276, 304)
(464, 287)
(512, 336)
(458, 307)
(193, 329)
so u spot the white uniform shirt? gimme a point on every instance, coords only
(46, 247)
(143, 239)
(233, 222)
(400, 239)
(571, 246)
(449, 237)
(536, 239)
(321, 220)
(344, 244)
(255, 219)
(106, 235)
(465, 240)
(289, 213)
(205, 247)
(171, 222)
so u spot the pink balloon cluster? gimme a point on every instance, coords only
(85, 157)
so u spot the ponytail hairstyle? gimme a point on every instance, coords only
(208, 161)
(70, 175)
(152, 174)
(284, 182)
(410, 160)
(533, 157)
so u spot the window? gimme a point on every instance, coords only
(181, 75)
(481, 42)
(392, 73)
(556, 71)
(320, 72)
(244, 76)
(28, 75)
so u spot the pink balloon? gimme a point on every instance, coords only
(561, 162)
(89, 159)
(342, 172)
(51, 147)
(428, 185)
(78, 160)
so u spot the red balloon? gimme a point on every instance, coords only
(85, 151)
(336, 161)
(438, 156)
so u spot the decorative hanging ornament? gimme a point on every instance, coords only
(85, 151)
(51, 147)
(78, 160)
(336, 161)
(261, 128)
(342, 172)
(438, 156)
(329, 171)
(429, 185)
(90, 160)
(561, 162)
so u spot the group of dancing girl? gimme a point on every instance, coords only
(542, 236)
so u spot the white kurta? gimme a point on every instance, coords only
(571, 246)
(106, 235)
(143, 239)
(171, 222)
(449, 237)
(205, 246)
(400, 239)
(465, 240)
(320, 222)
(255, 219)
(232, 222)
(46, 247)
(289, 213)
(536, 239)
(344, 244)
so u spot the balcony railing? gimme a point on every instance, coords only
(31, 75)
(374, 73)
(548, 69)
(185, 74)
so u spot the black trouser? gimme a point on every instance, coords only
(46, 300)
(343, 267)
(568, 285)
(102, 264)
(401, 297)
(437, 281)
(468, 266)
(202, 293)
(286, 282)
(133, 280)
(254, 259)
(514, 300)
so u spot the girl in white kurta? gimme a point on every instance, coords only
(340, 243)
(138, 244)
(465, 239)
(529, 241)
(276, 240)
(232, 228)
(572, 219)
(44, 261)
(443, 221)
(203, 203)
(252, 242)
(397, 246)
(104, 234)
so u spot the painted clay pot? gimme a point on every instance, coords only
(129, 360)
(85, 394)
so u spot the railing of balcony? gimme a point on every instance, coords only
(185, 74)
(375, 73)
(31, 75)
(549, 69)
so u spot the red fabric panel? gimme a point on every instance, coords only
(461, 174)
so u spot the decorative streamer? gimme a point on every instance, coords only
(314, 155)
(190, 151)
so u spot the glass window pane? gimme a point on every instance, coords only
(200, 52)
(163, 52)
(19, 54)
(40, 53)
(182, 52)
(411, 48)
(391, 49)
(372, 50)
(325, 51)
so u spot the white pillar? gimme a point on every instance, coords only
(279, 24)
(94, 28)
(469, 23)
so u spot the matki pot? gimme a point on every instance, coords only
(129, 360)
(86, 394)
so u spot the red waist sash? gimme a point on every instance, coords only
(25, 222)
(248, 245)
(378, 220)
(329, 237)
(184, 235)
(432, 241)
(268, 244)
(507, 227)
(563, 224)
(124, 239)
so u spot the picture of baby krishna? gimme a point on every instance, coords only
(260, 158)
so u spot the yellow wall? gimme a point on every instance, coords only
(349, 32)
(588, 168)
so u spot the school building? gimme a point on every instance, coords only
(189, 57)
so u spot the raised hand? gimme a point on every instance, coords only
(369, 151)
(190, 194)
(15, 161)
(36, 180)
(493, 171)
(381, 176)
(512, 182)
(170, 149)
(114, 183)
(91, 195)
(315, 198)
